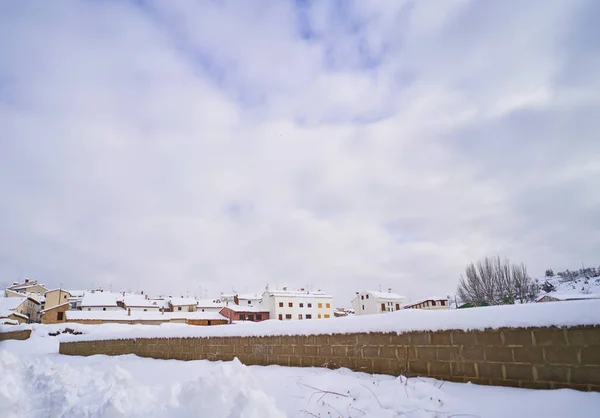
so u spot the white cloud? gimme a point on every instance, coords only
(187, 145)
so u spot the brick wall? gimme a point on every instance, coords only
(544, 358)
(15, 335)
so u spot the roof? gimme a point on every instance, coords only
(58, 288)
(121, 315)
(435, 298)
(210, 303)
(385, 295)
(23, 286)
(8, 305)
(139, 301)
(55, 307)
(298, 294)
(183, 301)
(245, 308)
(76, 293)
(245, 296)
(99, 299)
(570, 296)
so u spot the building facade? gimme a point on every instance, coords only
(430, 303)
(301, 304)
(373, 302)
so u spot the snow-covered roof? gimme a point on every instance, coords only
(246, 308)
(576, 313)
(122, 315)
(8, 305)
(210, 303)
(244, 296)
(435, 298)
(298, 294)
(99, 299)
(25, 285)
(76, 293)
(385, 295)
(570, 296)
(182, 301)
(139, 301)
(55, 306)
(58, 288)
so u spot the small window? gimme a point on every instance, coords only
(328, 305)
(145, 310)
(288, 316)
(326, 315)
(363, 307)
(308, 316)
(320, 305)
(60, 316)
(383, 307)
(65, 296)
(362, 297)
(249, 302)
(251, 317)
(281, 304)
(319, 316)
(291, 304)
(309, 305)
(179, 308)
(280, 317)
(397, 306)
(299, 316)
(103, 309)
(433, 303)
(89, 309)
(367, 296)
(259, 317)
(302, 305)
(443, 302)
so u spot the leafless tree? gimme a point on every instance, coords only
(496, 282)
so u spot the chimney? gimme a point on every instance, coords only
(236, 300)
(389, 290)
(129, 312)
(26, 280)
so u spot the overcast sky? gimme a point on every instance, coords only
(196, 146)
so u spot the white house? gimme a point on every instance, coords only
(183, 304)
(373, 302)
(243, 299)
(297, 304)
(97, 300)
(565, 297)
(209, 305)
(430, 303)
(140, 303)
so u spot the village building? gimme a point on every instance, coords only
(28, 286)
(209, 305)
(76, 298)
(562, 297)
(235, 312)
(183, 304)
(298, 304)
(126, 316)
(430, 303)
(56, 297)
(243, 299)
(23, 310)
(96, 300)
(139, 303)
(373, 302)
(55, 314)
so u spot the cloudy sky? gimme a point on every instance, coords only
(205, 146)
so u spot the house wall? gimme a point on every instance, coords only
(143, 308)
(235, 316)
(372, 305)
(272, 303)
(56, 297)
(51, 316)
(184, 308)
(101, 308)
(537, 358)
(428, 305)
(29, 308)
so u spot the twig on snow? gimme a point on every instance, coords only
(380, 405)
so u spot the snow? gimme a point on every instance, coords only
(385, 295)
(570, 296)
(183, 301)
(121, 315)
(7, 305)
(36, 382)
(246, 308)
(584, 312)
(139, 301)
(55, 306)
(99, 299)
(209, 303)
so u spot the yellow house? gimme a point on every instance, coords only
(24, 309)
(29, 286)
(56, 297)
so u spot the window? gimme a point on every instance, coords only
(281, 304)
(288, 316)
(328, 305)
(309, 305)
(145, 310)
(443, 302)
(302, 305)
(103, 309)
(320, 305)
(326, 315)
(362, 297)
(89, 309)
(300, 316)
(249, 302)
(60, 316)
(383, 307)
(291, 304)
(179, 308)
(363, 307)
(367, 296)
(319, 316)
(280, 317)
(65, 296)
(308, 316)
(397, 306)
(259, 317)
(251, 317)
(433, 303)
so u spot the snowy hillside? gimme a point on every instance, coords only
(571, 283)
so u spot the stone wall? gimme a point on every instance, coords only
(542, 358)
(15, 335)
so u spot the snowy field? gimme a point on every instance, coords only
(35, 382)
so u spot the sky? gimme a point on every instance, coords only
(194, 147)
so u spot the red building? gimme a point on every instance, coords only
(235, 312)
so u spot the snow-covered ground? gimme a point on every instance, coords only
(576, 286)
(36, 382)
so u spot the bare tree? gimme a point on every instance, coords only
(496, 282)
